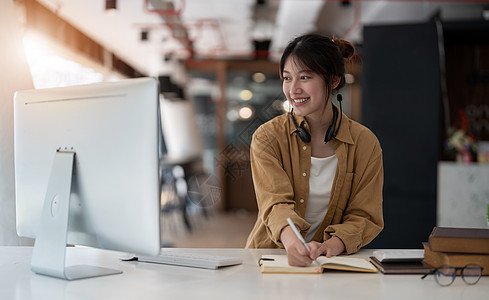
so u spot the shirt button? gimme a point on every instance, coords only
(301, 201)
(304, 174)
(304, 147)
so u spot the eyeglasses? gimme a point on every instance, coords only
(445, 275)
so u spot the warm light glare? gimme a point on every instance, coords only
(245, 95)
(286, 106)
(245, 112)
(49, 69)
(34, 48)
(259, 77)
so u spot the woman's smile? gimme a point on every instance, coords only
(300, 101)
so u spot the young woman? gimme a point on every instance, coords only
(314, 165)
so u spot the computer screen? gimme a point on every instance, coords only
(87, 170)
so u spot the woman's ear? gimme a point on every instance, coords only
(335, 82)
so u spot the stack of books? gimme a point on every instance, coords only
(458, 247)
(400, 261)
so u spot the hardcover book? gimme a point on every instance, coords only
(401, 267)
(460, 240)
(437, 259)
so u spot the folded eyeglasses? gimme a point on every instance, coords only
(445, 275)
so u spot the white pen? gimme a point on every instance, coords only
(299, 236)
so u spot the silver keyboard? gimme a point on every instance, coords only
(192, 259)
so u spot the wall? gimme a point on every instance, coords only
(14, 76)
(401, 103)
(463, 195)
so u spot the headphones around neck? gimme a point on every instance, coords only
(330, 133)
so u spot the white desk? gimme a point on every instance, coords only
(155, 281)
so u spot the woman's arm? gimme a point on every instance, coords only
(273, 186)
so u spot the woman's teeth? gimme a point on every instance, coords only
(300, 100)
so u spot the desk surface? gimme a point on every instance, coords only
(156, 281)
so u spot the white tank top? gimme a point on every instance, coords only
(323, 171)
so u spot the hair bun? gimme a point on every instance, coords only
(346, 48)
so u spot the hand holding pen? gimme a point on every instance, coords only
(299, 236)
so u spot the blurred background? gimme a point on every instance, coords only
(419, 82)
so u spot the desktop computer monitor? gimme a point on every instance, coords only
(87, 171)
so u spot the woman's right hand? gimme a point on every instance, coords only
(297, 253)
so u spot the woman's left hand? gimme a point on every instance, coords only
(332, 247)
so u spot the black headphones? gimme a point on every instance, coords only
(330, 133)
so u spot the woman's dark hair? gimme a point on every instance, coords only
(321, 55)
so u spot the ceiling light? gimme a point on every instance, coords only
(245, 112)
(245, 95)
(232, 115)
(259, 77)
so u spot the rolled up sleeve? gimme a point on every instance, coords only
(273, 189)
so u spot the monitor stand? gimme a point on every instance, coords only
(48, 257)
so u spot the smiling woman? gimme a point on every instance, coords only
(323, 171)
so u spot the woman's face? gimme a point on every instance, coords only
(305, 90)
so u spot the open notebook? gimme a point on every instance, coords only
(279, 264)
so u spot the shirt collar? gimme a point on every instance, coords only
(299, 120)
(344, 134)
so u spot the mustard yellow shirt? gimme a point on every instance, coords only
(281, 162)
